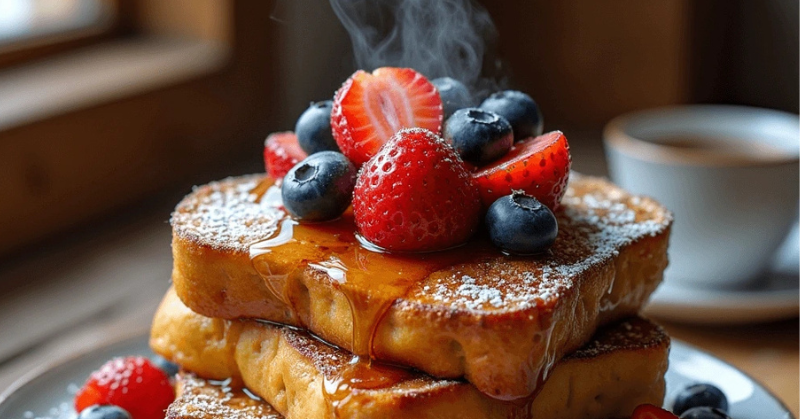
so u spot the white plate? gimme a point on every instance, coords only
(49, 392)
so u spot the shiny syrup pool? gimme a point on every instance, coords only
(369, 279)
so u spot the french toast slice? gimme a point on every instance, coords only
(197, 398)
(501, 322)
(622, 366)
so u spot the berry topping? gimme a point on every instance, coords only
(320, 187)
(704, 413)
(519, 224)
(281, 153)
(698, 395)
(132, 383)
(370, 107)
(416, 195)
(105, 411)
(169, 368)
(519, 109)
(478, 136)
(648, 411)
(538, 166)
(313, 128)
(454, 95)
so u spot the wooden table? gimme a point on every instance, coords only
(93, 287)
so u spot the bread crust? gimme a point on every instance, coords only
(621, 367)
(501, 322)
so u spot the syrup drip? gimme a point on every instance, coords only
(276, 281)
(370, 281)
(360, 374)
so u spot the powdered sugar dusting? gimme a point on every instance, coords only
(228, 214)
(596, 222)
(200, 399)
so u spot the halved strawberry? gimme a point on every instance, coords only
(539, 166)
(371, 107)
(281, 153)
(648, 411)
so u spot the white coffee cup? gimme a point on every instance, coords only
(728, 173)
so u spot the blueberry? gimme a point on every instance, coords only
(320, 187)
(169, 368)
(313, 128)
(519, 109)
(478, 136)
(104, 411)
(705, 413)
(520, 224)
(698, 395)
(454, 95)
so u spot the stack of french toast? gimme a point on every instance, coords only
(272, 317)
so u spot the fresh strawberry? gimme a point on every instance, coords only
(648, 411)
(538, 166)
(281, 153)
(416, 195)
(369, 108)
(132, 383)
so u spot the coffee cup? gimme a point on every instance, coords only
(728, 173)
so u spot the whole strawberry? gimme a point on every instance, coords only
(415, 194)
(132, 383)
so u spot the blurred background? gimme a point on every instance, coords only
(104, 103)
(110, 110)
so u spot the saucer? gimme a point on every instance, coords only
(775, 298)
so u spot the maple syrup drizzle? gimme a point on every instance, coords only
(370, 281)
(360, 374)
(276, 281)
(265, 185)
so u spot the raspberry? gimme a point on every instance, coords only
(281, 153)
(648, 411)
(132, 383)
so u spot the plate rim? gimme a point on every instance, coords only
(43, 369)
(729, 365)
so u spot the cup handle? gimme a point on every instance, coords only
(787, 258)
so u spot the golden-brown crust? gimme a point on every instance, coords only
(623, 366)
(498, 321)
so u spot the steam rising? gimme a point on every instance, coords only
(437, 38)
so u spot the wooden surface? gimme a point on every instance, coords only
(96, 129)
(93, 287)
